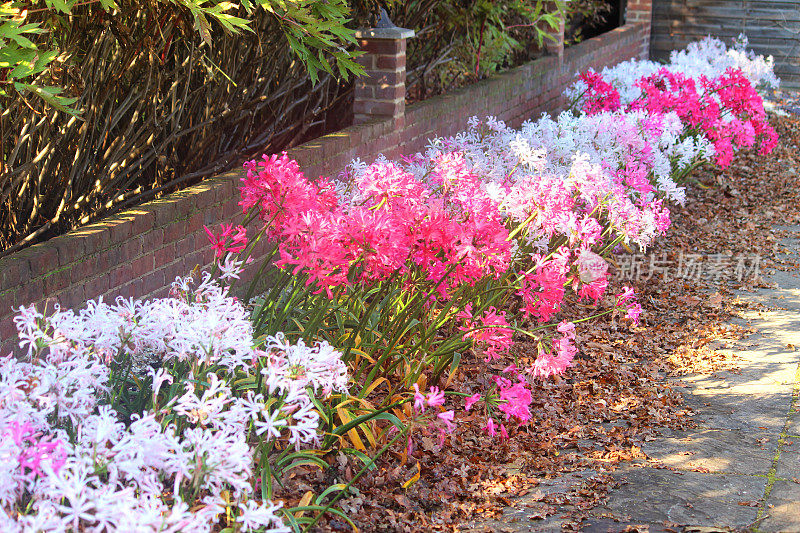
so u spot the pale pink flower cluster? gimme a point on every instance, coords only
(201, 323)
(627, 299)
(319, 367)
(551, 175)
(556, 361)
(559, 171)
(70, 462)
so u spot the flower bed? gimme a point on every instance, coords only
(185, 413)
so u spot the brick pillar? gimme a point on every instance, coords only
(641, 11)
(381, 93)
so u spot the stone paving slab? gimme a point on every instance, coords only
(660, 496)
(739, 409)
(782, 512)
(787, 465)
(782, 325)
(609, 525)
(775, 341)
(786, 299)
(715, 450)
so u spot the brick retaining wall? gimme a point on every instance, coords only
(139, 252)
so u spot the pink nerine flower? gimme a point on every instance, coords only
(281, 191)
(435, 397)
(34, 449)
(231, 239)
(548, 364)
(593, 290)
(469, 401)
(543, 291)
(447, 418)
(600, 95)
(503, 432)
(517, 400)
(626, 295)
(489, 332)
(628, 299)
(490, 427)
(567, 328)
(725, 109)
(633, 313)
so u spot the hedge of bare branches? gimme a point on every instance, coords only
(160, 108)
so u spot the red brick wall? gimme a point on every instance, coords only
(641, 11)
(139, 252)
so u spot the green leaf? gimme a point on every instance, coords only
(203, 27)
(22, 70)
(316, 31)
(308, 461)
(50, 95)
(306, 456)
(11, 56)
(335, 487)
(233, 24)
(292, 510)
(60, 5)
(368, 462)
(380, 414)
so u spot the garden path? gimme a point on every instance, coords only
(739, 469)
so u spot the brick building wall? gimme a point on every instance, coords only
(139, 252)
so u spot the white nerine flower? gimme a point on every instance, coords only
(231, 268)
(257, 516)
(320, 366)
(115, 475)
(709, 57)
